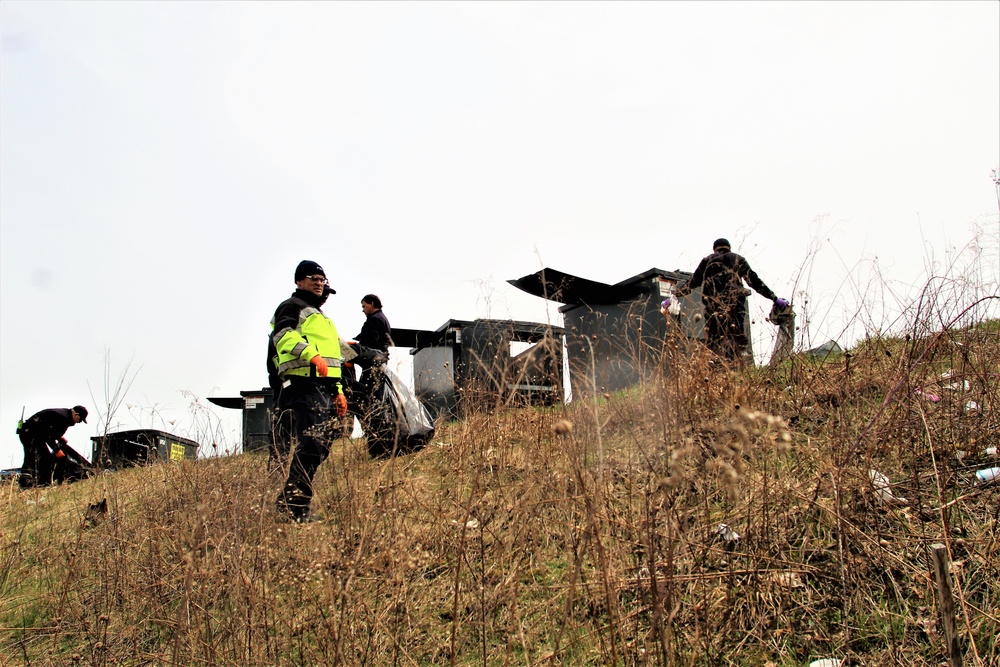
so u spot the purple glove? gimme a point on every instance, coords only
(781, 303)
(665, 303)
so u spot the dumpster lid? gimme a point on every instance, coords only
(564, 288)
(235, 403)
(416, 338)
(529, 332)
(572, 290)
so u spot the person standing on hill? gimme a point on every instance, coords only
(375, 332)
(281, 420)
(42, 437)
(373, 347)
(721, 276)
(375, 336)
(308, 367)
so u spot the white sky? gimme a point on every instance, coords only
(165, 165)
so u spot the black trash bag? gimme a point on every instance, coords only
(69, 468)
(366, 357)
(74, 466)
(395, 421)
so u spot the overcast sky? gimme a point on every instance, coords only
(165, 165)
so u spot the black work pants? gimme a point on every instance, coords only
(363, 394)
(308, 403)
(376, 415)
(724, 326)
(39, 462)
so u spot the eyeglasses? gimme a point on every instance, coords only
(317, 279)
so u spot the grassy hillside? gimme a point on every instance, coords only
(586, 534)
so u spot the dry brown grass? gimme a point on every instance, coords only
(584, 534)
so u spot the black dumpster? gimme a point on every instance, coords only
(463, 364)
(140, 447)
(615, 333)
(257, 406)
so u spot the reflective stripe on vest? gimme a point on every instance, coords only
(324, 339)
(295, 366)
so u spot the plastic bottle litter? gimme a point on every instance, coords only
(725, 533)
(972, 406)
(988, 453)
(987, 475)
(827, 662)
(670, 306)
(883, 489)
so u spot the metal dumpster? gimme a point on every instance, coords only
(615, 333)
(257, 406)
(464, 364)
(140, 447)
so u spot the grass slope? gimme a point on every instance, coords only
(586, 534)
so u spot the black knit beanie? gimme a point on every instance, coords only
(308, 268)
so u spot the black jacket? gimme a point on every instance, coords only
(721, 276)
(47, 426)
(376, 332)
(287, 313)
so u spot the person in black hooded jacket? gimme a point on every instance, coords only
(721, 276)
